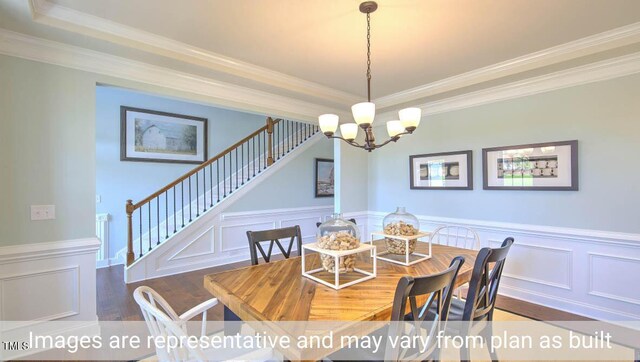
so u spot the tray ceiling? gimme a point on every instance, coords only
(413, 42)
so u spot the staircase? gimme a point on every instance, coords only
(166, 213)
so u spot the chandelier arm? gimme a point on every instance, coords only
(352, 143)
(394, 138)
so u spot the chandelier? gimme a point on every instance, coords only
(364, 112)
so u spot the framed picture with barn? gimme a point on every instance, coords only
(152, 136)
(441, 171)
(324, 177)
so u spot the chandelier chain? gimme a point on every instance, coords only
(369, 57)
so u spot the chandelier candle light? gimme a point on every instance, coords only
(364, 113)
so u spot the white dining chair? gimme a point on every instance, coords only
(164, 322)
(456, 236)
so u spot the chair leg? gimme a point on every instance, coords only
(234, 327)
(487, 333)
(465, 353)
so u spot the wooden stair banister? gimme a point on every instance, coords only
(265, 154)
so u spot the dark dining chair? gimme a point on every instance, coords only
(319, 223)
(437, 289)
(273, 236)
(482, 294)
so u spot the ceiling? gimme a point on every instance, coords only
(413, 42)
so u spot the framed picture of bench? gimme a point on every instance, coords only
(441, 171)
(551, 166)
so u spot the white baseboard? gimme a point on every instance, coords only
(105, 263)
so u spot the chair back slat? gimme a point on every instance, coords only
(438, 290)
(456, 236)
(274, 237)
(485, 280)
(163, 322)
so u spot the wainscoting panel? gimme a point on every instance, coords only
(525, 260)
(22, 302)
(588, 272)
(607, 271)
(234, 237)
(49, 281)
(307, 226)
(203, 244)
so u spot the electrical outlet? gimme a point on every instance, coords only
(43, 212)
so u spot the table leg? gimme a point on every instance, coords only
(233, 327)
(637, 355)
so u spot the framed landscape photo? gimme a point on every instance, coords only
(324, 177)
(152, 136)
(551, 166)
(441, 171)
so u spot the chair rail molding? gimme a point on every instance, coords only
(46, 12)
(585, 235)
(46, 250)
(221, 93)
(587, 272)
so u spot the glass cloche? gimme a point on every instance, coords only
(400, 223)
(338, 234)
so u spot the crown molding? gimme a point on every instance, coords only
(247, 99)
(589, 45)
(594, 72)
(46, 12)
(223, 94)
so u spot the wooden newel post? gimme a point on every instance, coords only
(270, 141)
(130, 255)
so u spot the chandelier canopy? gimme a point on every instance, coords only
(365, 112)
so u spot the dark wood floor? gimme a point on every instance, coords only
(183, 291)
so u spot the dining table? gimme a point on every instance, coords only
(277, 291)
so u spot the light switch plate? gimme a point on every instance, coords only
(43, 212)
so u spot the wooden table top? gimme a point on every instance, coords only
(277, 291)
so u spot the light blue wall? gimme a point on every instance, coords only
(49, 146)
(47, 151)
(292, 186)
(117, 181)
(604, 117)
(353, 181)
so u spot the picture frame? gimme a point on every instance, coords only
(550, 166)
(324, 181)
(153, 136)
(441, 171)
